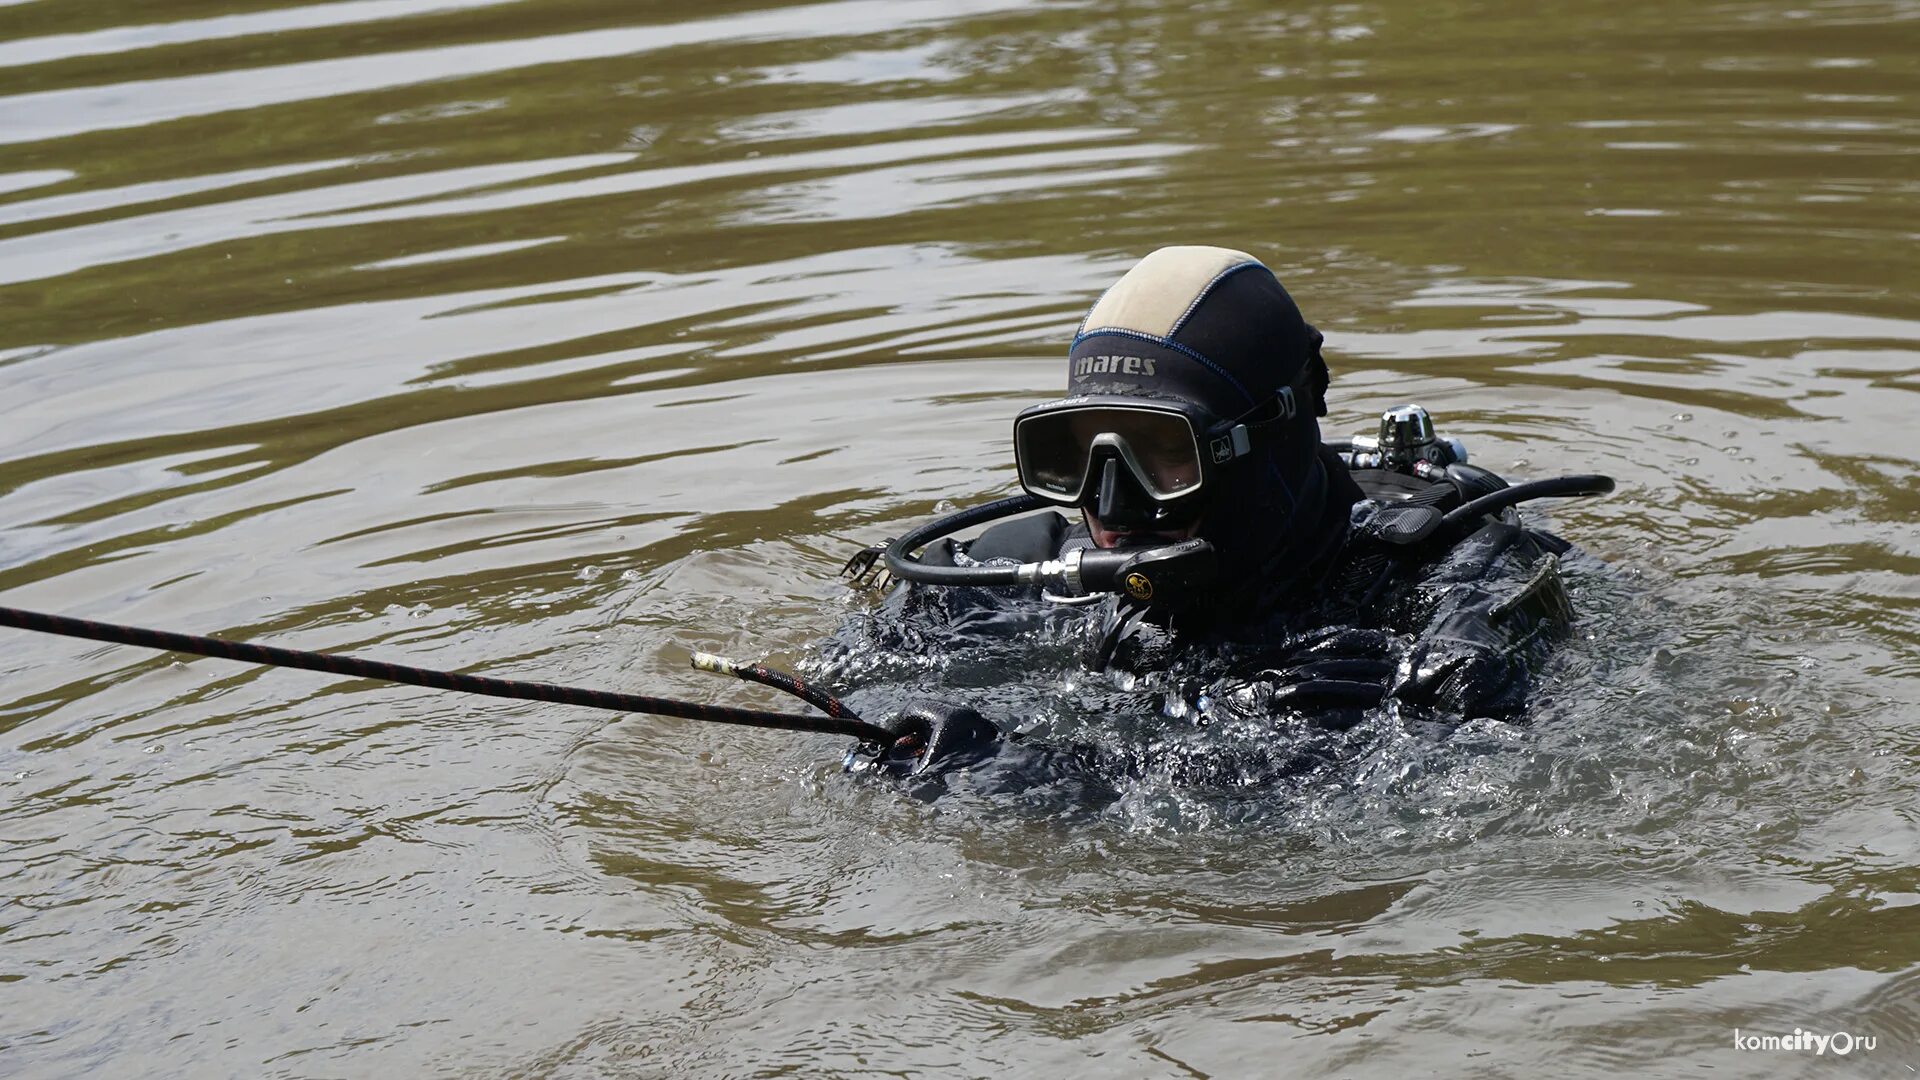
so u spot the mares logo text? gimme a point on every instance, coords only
(1113, 365)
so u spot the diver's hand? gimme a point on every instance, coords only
(933, 736)
(1321, 673)
(1463, 678)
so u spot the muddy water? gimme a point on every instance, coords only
(554, 339)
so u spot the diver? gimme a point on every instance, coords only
(1214, 533)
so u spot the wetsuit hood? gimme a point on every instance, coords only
(1214, 327)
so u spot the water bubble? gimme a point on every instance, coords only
(629, 575)
(154, 749)
(1683, 417)
(590, 573)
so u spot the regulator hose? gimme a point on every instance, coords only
(902, 564)
(1162, 570)
(1556, 487)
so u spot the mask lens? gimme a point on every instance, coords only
(1051, 462)
(1165, 455)
(1053, 450)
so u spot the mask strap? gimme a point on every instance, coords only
(1234, 438)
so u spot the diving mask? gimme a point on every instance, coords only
(1137, 463)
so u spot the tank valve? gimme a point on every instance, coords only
(1406, 443)
(1406, 434)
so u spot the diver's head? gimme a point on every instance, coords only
(1192, 392)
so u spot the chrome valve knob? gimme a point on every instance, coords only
(1405, 433)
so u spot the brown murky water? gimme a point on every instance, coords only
(556, 338)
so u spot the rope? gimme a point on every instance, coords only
(841, 722)
(779, 680)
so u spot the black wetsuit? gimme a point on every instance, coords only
(1447, 629)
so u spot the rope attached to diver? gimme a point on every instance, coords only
(839, 721)
(779, 680)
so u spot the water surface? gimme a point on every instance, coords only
(557, 338)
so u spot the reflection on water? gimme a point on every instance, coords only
(550, 338)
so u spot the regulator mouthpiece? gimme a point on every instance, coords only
(1164, 574)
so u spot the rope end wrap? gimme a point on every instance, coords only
(718, 665)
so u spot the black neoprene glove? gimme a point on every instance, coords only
(933, 736)
(1338, 669)
(1463, 678)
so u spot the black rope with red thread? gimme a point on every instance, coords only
(779, 680)
(838, 721)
